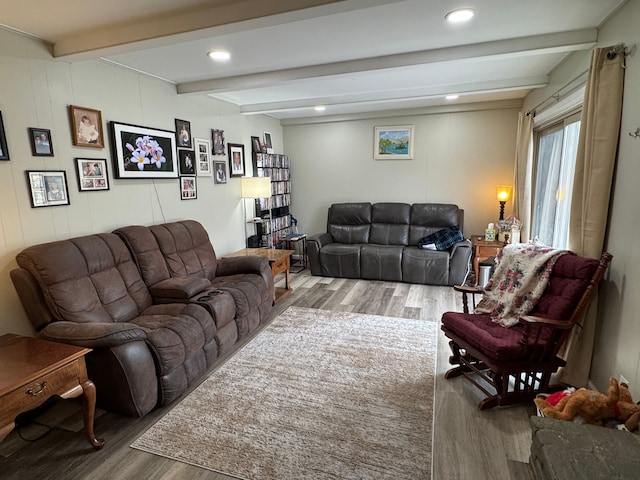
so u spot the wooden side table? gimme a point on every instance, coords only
(279, 261)
(34, 370)
(483, 250)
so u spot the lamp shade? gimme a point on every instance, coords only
(256, 187)
(503, 192)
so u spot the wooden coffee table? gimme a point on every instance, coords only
(279, 261)
(34, 370)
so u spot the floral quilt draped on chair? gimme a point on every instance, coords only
(518, 282)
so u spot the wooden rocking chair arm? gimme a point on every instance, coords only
(468, 289)
(532, 320)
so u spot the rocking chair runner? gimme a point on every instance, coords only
(512, 365)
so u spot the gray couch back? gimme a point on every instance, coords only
(390, 223)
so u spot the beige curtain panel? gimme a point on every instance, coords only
(523, 180)
(595, 162)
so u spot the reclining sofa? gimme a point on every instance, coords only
(380, 242)
(153, 303)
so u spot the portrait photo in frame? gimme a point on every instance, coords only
(187, 162)
(41, 144)
(92, 174)
(217, 136)
(86, 127)
(268, 146)
(143, 152)
(393, 143)
(256, 145)
(203, 157)
(236, 160)
(4, 148)
(183, 133)
(48, 188)
(188, 188)
(220, 168)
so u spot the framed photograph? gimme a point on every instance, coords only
(86, 127)
(41, 145)
(236, 160)
(4, 149)
(393, 143)
(92, 174)
(221, 172)
(218, 142)
(203, 157)
(183, 133)
(48, 188)
(143, 152)
(267, 143)
(187, 159)
(188, 190)
(256, 146)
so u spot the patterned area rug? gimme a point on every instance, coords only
(316, 395)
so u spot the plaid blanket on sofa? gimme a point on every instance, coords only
(518, 282)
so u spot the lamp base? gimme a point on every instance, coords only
(502, 210)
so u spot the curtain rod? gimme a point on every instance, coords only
(613, 51)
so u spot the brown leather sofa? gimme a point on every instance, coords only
(379, 241)
(149, 344)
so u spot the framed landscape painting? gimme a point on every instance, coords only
(143, 152)
(393, 143)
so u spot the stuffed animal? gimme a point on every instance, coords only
(594, 406)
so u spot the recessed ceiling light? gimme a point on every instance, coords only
(461, 15)
(451, 97)
(219, 55)
(320, 108)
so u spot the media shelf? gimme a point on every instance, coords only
(277, 167)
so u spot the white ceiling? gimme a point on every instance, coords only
(351, 56)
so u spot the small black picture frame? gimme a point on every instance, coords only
(187, 160)
(41, 144)
(188, 188)
(48, 188)
(236, 159)
(183, 134)
(4, 149)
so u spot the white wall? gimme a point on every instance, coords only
(616, 349)
(35, 91)
(459, 157)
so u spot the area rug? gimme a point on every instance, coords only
(315, 395)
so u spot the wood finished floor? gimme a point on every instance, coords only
(467, 443)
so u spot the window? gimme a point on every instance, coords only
(556, 149)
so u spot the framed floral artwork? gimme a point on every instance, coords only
(48, 188)
(143, 152)
(86, 127)
(92, 174)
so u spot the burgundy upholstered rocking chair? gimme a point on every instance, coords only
(512, 365)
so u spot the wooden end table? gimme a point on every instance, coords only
(33, 370)
(279, 261)
(483, 250)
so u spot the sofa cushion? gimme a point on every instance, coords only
(350, 223)
(87, 279)
(429, 267)
(381, 262)
(428, 218)
(342, 261)
(390, 223)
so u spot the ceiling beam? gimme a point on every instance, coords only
(406, 95)
(532, 45)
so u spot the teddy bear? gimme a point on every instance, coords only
(594, 406)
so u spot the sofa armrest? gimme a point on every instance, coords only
(250, 264)
(314, 245)
(93, 335)
(459, 257)
(178, 288)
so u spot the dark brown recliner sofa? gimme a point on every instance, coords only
(88, 291)
(379, 241)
